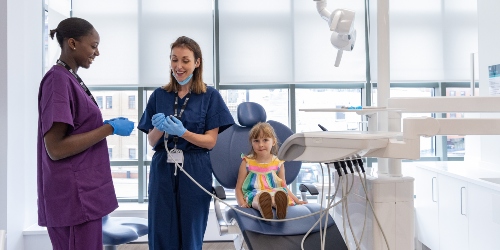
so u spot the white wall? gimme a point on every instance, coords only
(489, 54)
(20, 73)
(3, 114)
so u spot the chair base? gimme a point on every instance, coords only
(334, 241)
(121, 230)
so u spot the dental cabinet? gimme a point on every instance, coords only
(457, 205)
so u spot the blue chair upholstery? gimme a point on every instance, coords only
(122, 230)
(234, 141)
(258, 234)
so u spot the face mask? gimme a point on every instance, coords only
(185, 81)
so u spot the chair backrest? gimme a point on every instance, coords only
(226, 155)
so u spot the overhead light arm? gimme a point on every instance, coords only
(341, 23)
(321, 6)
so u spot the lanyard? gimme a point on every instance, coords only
(78, 79)
(183, 107)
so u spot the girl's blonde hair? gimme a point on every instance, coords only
(267, 132)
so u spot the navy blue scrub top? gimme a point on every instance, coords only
(203, 112)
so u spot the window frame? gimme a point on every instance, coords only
(143, 164)
(131, 103)
(99, 101)
(109, 102)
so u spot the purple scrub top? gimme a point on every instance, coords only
(79, 188)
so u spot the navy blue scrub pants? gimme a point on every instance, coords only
(178, 209)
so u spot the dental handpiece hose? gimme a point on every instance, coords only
(344, 167)
(337, 167)
(360, 163)
(349, 165)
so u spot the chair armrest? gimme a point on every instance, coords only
(219, 192)
(308, 188)
(304, 188)
(222, 225)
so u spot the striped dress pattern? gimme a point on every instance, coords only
(263, 177)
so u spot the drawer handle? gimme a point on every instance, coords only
(434, 200)
(462, 199)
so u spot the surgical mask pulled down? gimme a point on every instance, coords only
(185, 80)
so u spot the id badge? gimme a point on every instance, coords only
(175, 155)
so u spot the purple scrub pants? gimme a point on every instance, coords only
(85, 236)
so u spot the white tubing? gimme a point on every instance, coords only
(177, 165)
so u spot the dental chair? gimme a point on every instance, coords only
(122, 230)
(258, 234)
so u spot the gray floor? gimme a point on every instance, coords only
(206, 246)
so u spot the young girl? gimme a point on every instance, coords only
(261, 178)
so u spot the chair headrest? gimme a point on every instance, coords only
(250, 113)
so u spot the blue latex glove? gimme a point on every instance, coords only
(158, 119)
(174, 126)
(107, 121)
(121, 126)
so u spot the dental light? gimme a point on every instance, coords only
(341, 22)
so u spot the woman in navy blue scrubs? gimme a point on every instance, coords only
(187, 116)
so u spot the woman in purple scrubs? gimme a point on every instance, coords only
(75, 187)
(185, 116)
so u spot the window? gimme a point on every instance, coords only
(109, 102)
(297, 57)
(455, 144)
(310, 173)
(274, 101)
(132, 153)
(131, 102)
(334, 121)
(339, 115)
(98, 99)
(427, 144)
(123, 150)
